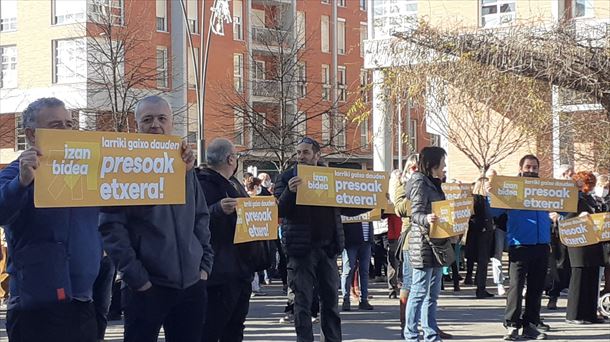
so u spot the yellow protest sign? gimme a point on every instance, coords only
(578, 232)
(347, 188)
(457, 190)
(602, 225)
(80, 169)
(369, 216)
(453, 217)
(257, 219)
(533, 194)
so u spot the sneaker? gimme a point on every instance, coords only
(287, 319)
(484, 295)
(346, 306)
(552, 304)
(364, 305)
(512, 334)
(530, 332)
(501, 290)
(543, 327)
(315, 320)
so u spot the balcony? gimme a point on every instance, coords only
(270, 39)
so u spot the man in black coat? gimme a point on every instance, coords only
(229, 285)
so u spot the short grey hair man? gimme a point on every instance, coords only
(152, 100)
(218, 152)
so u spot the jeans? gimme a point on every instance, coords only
(422, 301)
(361, 254)
(407, 272)
(102, 291)
(496, 260)
(228, 306)
(180, 312)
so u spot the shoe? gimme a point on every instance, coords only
(468, 281)
(484, 295)
(552, 304)
(287, 319)
(364, 305)
(530, 332)
(512, 334)
(315, 320)
(443, 335)
(501, 290)
(577, 321)
(456, 288)
(346, 306)
(598, 321)
(285, 289)
(258, 294)
(543, 327)
(393, 294)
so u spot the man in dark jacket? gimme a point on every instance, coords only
(163, 251)
(313, 237)
(229, 285)
(54, 253)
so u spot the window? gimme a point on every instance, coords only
(8, 15)
(20, 141)
(394, 16)
(239, 128)
(413, 135)
(325, 128)
(364, 35)
(259, 120)
(341, 36)
(70, 60)
(364, 83)
(339, 130)
(238, 72)
(301, 124)
(497, 12)
(106, 11)
(325, 31)
(301, 29)
(435, 140)
(363, 5)
(192, 16)
(162, 68)
(238, 32)
(342, 83)
(326, 1)
(301, 80)
(325, 82)
(364, 133)
(582, 8)
(192, 77)
(341, 3)
(8, 66)
(259, 70)
(67, 11)
(162, 15)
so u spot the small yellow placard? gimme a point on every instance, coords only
(346, 188)
(453, 217)
(578, 232)
(533, 194)
(457, 190)
(369, 216)
(257, 219)
(83, 169)
(602, 225)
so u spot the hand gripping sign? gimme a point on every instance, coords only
(347, 188)
(533, 194)
(81, 169)
(602, 226)
(257, 219)
(578, 232)
(453, 217)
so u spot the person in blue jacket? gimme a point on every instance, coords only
(528, 236)
(54, 253)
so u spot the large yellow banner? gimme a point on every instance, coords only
(578, 232)
(453, 217)
(81, 169)
(456, 190)
(257, 219)
(602, 225)
(534, 194)
(347, 188)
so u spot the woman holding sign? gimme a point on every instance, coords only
(427, 256)
(585, 262)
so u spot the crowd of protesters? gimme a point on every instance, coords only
(178, 268)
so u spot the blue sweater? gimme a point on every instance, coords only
(54, 253)
(526, 227)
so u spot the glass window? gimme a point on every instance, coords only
(106, 11)
(582, 8)
(339, 129)
(67, 11)
(192, 16)
(363, 5)
(238, 72)
(70, 60)
(301, 80)
(8, 15)
(259, 70)
(393, 16)
(238, 32)
(301, 29)
(341, 36)
(20, 141)
(341, 3)
(364, 81)
(325, 82)
(342, 83)
(162, 68)
(8, 66)
(325, 128)
(497, 12)
(161, 15)
(364, 133)
(364, 34)
(325, 32)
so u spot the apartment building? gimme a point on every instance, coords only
(46, 50)
(388, 16)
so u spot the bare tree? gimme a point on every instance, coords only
(278, 104)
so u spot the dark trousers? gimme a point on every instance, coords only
(559, 269)
(180, 312)
(582, 294)
(67, 322)
(379, 254)
(281, 267)
(228, 306)
(484, 242)
(526, 263)
(102, 292)
(315, 268)
(393, 265)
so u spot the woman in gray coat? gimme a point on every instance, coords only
(423, 188)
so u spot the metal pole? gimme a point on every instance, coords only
(399, 133)
(196, 69)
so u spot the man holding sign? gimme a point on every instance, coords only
(163, 251)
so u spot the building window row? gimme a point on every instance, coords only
(8, 15)
(497, 12)
(8, 66)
